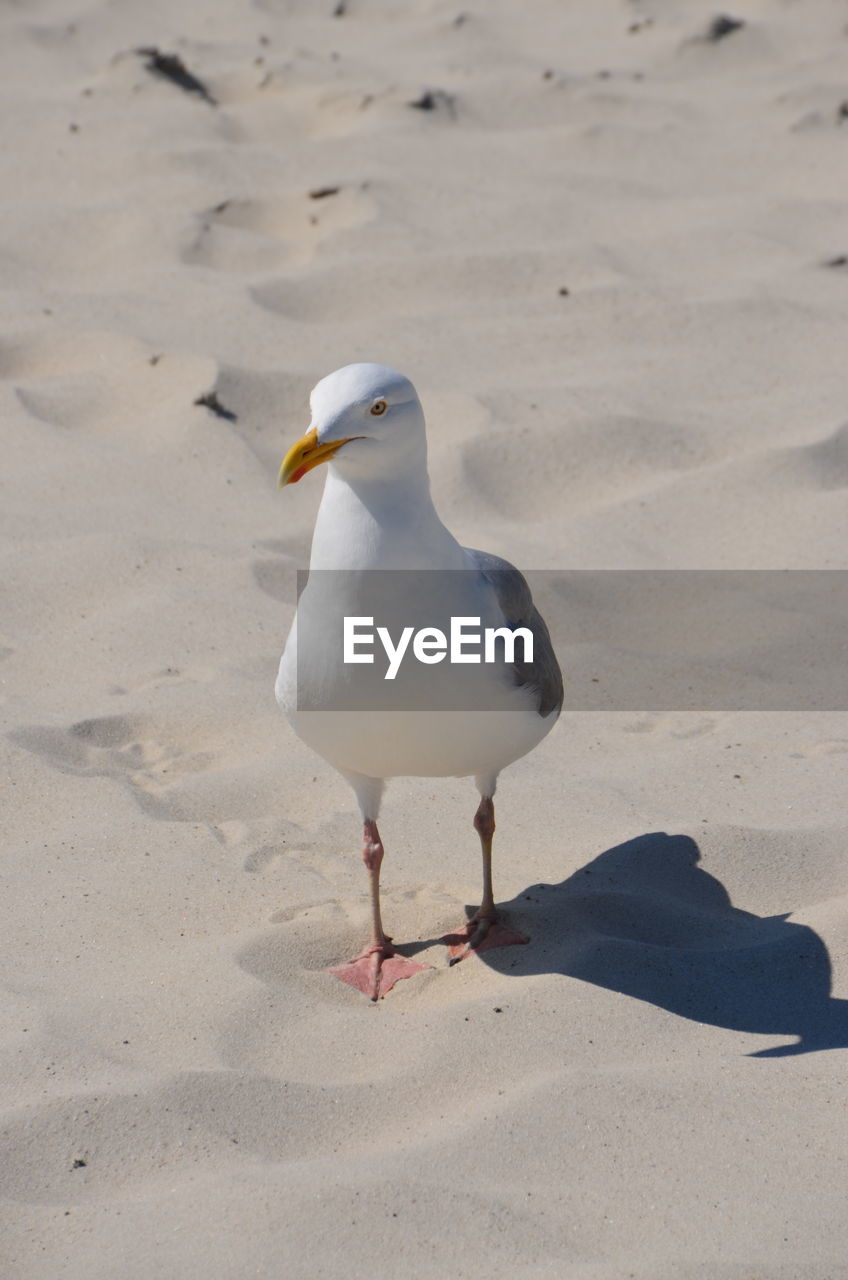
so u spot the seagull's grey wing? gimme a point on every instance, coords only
(516, 604)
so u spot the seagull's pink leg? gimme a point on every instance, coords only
(483, 931)
(379, 967)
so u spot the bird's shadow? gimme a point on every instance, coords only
(644, 919)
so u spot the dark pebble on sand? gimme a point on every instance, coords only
(210, 401)
(170, 66)
(723, 25)
(431, 99)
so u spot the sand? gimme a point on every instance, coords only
(610, 253)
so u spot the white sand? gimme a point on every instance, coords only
(178, 869)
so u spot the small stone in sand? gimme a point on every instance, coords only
(431, 99)
(723, 25)
(209, 400)
(170, 66)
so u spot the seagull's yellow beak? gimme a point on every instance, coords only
(306, 454)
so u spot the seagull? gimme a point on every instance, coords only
(377, 524)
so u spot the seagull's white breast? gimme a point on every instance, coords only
(389, 531)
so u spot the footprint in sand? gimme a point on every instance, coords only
(126, 747)
(177, 768)
(243, 235)
(349, 292)
(135, 750)
(304, 864)
(594, 461)
(99, 381)
(316, 935)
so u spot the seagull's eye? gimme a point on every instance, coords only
(378, 407)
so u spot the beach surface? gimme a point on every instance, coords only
(607, 242)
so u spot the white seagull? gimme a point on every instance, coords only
(473, 718)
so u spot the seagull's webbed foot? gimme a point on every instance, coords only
(377, 969)
(481, 933)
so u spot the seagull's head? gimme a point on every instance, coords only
(366, 418)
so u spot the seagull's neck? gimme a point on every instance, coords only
(369, 522)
